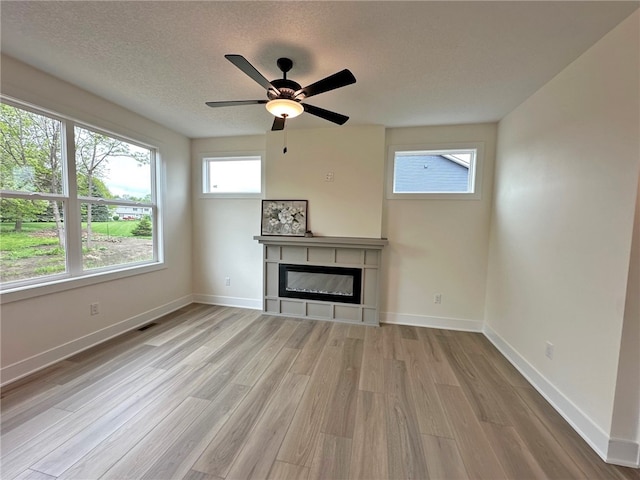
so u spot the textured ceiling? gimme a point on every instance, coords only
(416, 63)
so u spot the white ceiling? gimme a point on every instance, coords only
(416, 63)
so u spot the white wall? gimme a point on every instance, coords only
(438, 246)
(223, 230)
(351, 205)
(41, 330)
(626, 414)
(565, 192)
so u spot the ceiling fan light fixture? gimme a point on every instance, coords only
(284, 108)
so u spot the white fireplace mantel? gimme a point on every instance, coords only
(350, 252)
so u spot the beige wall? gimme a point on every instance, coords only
(438, 246)
(626, 414)
(565, 191)
(223, 230)
(351, 205)
(41, 330)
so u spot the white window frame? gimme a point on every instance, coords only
(475, 171)
(76, 276)
(206, 159)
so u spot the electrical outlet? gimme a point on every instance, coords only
(437, 298)
(548, 350)
(227, 281)
(328, 177)
(94, 308)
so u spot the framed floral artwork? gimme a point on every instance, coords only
(284, 217)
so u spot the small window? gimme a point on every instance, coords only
(443, 172)
(232, 176)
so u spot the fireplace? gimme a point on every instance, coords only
(315, 282)
(322, 278)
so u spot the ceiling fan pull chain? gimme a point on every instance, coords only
(284, 147)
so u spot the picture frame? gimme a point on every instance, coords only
(284, 218)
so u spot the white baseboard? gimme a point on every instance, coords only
(239, 302)
(624, 452)
(614, 451)
(431, 322)
(15, 371)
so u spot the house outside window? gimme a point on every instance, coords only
(434, 172)
(128, 213)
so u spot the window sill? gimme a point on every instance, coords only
(231, 195)
(434, 196)
(60, 285)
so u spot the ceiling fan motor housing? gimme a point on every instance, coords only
(287, 88)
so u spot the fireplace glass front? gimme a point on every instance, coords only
(313, 282)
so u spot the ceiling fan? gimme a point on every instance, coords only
(285, 96)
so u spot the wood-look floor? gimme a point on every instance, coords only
(214, 392)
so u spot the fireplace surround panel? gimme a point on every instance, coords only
(325, 278)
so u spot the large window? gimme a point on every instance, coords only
(75, 201)
(232, 176)
(450, 171)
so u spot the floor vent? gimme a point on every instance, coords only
(142, 329)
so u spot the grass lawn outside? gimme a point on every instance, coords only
(36, 252)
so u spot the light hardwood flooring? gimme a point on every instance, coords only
(223, 393)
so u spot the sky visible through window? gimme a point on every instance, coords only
(233, 176)
(125, 176)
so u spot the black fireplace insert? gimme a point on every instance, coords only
(316, 282)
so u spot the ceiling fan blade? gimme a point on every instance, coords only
(244, 65)
(278, 123)
(233, 103)
(326, 114)
(337, 80)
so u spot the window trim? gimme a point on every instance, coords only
(76, 276)
(230, 157)
(64, 282)
(475, 171)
